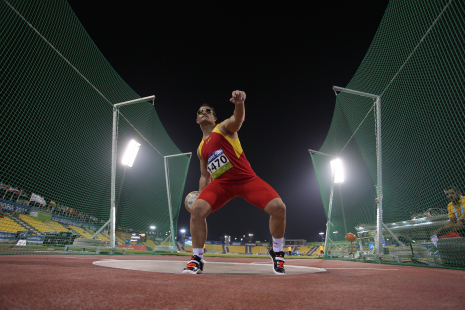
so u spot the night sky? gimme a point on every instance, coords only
(286, 58)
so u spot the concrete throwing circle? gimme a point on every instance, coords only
(210, 268)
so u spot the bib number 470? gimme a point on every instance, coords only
(218, 164)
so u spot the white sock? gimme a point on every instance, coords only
(198, 252)
(278, 245)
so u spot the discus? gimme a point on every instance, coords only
(190, 199)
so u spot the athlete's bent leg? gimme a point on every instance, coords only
(199, 212)
(277, 211)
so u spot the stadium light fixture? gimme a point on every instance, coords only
(131, 153)
(152, 227)
(338, 172)
(183, 230)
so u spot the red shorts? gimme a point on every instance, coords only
(256, 191)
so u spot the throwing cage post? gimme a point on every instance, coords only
(379, 165)
(330, 206)
(112, 220)
(168, 193)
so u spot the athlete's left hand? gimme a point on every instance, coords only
(238, 97)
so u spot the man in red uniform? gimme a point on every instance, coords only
(225, 174)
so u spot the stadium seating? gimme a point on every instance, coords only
(303, 250)
(104, 237)
(9, 226)
(237, 249)
(81, 231)
(214, 248)
(120, 240)
(41, 227)
(57, 226)
(259, 250)
(149, 243)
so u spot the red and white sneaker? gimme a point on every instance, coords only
(195, 266)
(278, 262)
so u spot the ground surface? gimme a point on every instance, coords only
(92, 282)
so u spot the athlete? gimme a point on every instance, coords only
(456, 212)
(225, 174)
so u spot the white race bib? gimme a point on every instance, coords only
(218, 164)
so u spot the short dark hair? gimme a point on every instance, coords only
(455, 188)
(206, 105)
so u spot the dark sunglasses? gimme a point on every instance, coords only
(208, 111)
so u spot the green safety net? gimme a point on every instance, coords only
(56, 117)
(414, 71)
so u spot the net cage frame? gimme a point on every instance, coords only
(379, 173)
(415, 64)
(112, 219)
(28, 27)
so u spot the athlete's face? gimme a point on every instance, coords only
(452, 195)
(205, 115)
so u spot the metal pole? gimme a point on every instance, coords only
(113, 165)
(355, 92)
(379, 166)
(101, 228)
(120, 104)
(168, 193)
(113, 180)
(188, 154)
(343, 213)
(320, 153)
(329, 214)
(379, 188)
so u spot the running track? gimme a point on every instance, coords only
(74, 282)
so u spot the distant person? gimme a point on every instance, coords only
(456, 210)
(289, 249)
(225, 174)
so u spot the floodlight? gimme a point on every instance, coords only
(131, 153)
(336, 169)
(183, 230)
(152, 227)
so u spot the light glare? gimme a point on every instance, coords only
(336, 169)
(131, 153)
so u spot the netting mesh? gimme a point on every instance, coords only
(416, 65)
(57, 96)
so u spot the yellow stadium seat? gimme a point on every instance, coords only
(9, 226)
(81, 231)
(259, 250)
(237, 249)
(41, 227)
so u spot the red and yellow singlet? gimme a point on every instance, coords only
(231, 173)
(225, 157)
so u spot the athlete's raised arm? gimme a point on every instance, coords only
(234, 123)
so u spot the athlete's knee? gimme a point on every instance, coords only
(200, 209)
(276, 208)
